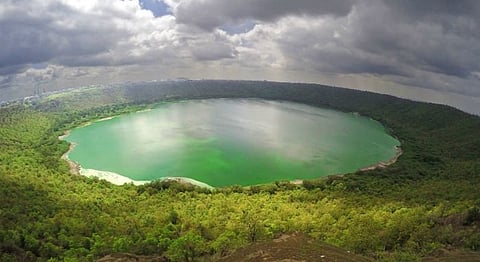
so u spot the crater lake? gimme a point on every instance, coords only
(223, 142)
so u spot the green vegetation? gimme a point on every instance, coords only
(425, 201)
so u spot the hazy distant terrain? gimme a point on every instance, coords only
(465, 103)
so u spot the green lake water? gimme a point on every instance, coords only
(224, 142)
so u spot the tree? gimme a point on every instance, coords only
(225, 242)
(187, 247)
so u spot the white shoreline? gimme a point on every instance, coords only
(111, 177)
(104, 119)
(119, 180)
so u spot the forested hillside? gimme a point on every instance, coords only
(428, 200)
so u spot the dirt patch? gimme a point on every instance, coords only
(125, 257)
(295, 247)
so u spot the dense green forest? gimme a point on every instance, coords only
(428, 200)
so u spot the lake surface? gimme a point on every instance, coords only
(224, 142)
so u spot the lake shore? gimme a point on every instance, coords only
(111, 177)
(379, 164)
(74, 166)
(382, 164)
(119, 180)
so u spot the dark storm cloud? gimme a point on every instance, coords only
(430, 39)
(22, 42)
(209, 14)
(433, 8)
(11, 70)
(34, 33)
(376, 37)
(395, 39)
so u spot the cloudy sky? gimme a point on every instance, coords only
(427, 50)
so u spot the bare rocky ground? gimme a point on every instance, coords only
(292, 248)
